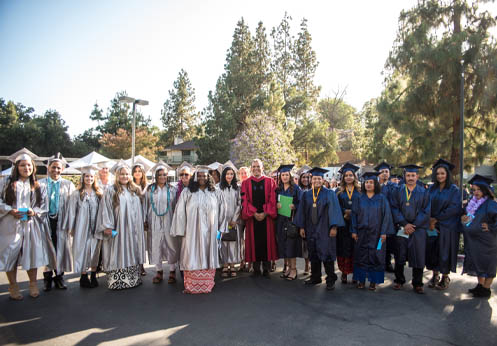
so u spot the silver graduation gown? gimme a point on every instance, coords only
(197, 219)
(231, 251)
(161, 245)
(64, 255)
(25, 243)
(81, 223)
(127, 248)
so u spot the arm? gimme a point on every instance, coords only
(222, 225)
(386, 222)
(355, 212)
(396, 204)
(423, 218)
(270, 206)
(238, 207)
(335, 216)
(248, 210)
(454, 208)
(4, 207)
(178, 225)
(71, 213)
(42, 210)
(105, 216)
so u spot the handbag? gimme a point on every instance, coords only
(290, 229)
(231, 235)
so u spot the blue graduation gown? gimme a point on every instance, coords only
(417, 213)
(441, 251)
(371, 218)
(481, 247)
(387, 190)
(287, 247)
(321, 246)
(345, 243)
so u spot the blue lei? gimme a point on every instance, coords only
(152, 189)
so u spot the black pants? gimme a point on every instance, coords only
(266, 266)
(53, 229)
(329, 268)
(390, 249)
(417, 275)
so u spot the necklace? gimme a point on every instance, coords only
(315, 198)
(152, 203)
(349, 194)
(408, 195)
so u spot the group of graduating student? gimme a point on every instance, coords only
(211, 220)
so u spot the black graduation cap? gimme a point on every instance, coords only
(480, 180)
(348, 167)
(411, 168)
(372, 175)
(285, 168)
(383, 165)
(318, 172)
(443, 163)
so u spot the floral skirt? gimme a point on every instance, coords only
(121, 279)
(199, 281)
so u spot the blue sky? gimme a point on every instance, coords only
(65, 55)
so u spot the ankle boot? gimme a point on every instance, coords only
(59, 282)
(93, 280)
(84, 282)
(47, 281)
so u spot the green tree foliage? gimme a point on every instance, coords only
(179, 115)
(418, 112)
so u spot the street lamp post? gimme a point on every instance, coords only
(127, 99)
(461, 129)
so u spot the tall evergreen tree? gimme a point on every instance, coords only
(283, 54)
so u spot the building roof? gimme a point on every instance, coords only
(188, 145)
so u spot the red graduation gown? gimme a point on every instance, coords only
(248, 211)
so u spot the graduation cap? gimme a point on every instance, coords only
(285, 168)
(318, 172)
(201, 169)
(56, 158)
(185, 166)
(229, 164)
(23, 154)
(160, 165)
(480, 180)
(348, 167)
(411, 168)
(372, 175)
(443, 163)
(383, 165)
(118, 166)
(303, 169)
(214, 166)
(142, 163)
(88, 169)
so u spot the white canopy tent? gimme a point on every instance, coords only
(92, 158)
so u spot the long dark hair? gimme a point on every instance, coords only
(448, 180)
(10, 191)
(223, 184)
(156, 178)
(377, 186)
(309, 185)
(343, 185)
(281, 186)
(487, 191)
(193, 185)
(143, 181)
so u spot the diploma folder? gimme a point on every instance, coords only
(285, 202)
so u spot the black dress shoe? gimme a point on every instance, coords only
(47, 281)
(59, 282)
(330, 286)
(256, 273)
(84, 282)
(312, 282)
(265, 273)
(482, 292)
(93, 280)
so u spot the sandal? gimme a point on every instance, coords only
(172, 277)
(233, 272)
(273, 267)
(344, 278)
(397, 286)
(434, 281)
(419, 289)
(33, 290)
(372, 286)
(225, 273)
(443, 284)
(291, 278)
(14, 292)
(143, 272)
(158, 277)
(361, 285)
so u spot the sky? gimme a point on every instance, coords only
(67, 55)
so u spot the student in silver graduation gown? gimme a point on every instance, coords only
(159, 201)
(199, 218)
(479, 226)
(59, 191)
(81, 224)
(411, 209)
(24, 238)
(318, 217)
(232, 240)
(120, 226)
(442, 243)
(371, 223)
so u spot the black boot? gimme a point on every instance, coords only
(474, 289)
(59, 282)
(93, 280)
(84, 282)
(482, 292)
(47, 281)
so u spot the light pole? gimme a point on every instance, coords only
(461, 129)
(127, 99)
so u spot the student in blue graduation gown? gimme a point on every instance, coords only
(287, 237)
(411, 212)
(318, 217)
(305, 184)
(387, 187)
(442, 243)
(480, 235)
(347, 192)
(371, 223)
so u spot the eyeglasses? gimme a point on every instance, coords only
(184, 175)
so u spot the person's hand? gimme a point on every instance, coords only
(292, 206)
(484, 227)
(302, 233)
(433, 221)
(355, 236)
(278, 205)
(409, 228)
(465, 219)
(145, 226)
(346, 216)
(232, 224)
(15, 213)
(108, 231)
(30, 212)
(333, 232)
(383, 238)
